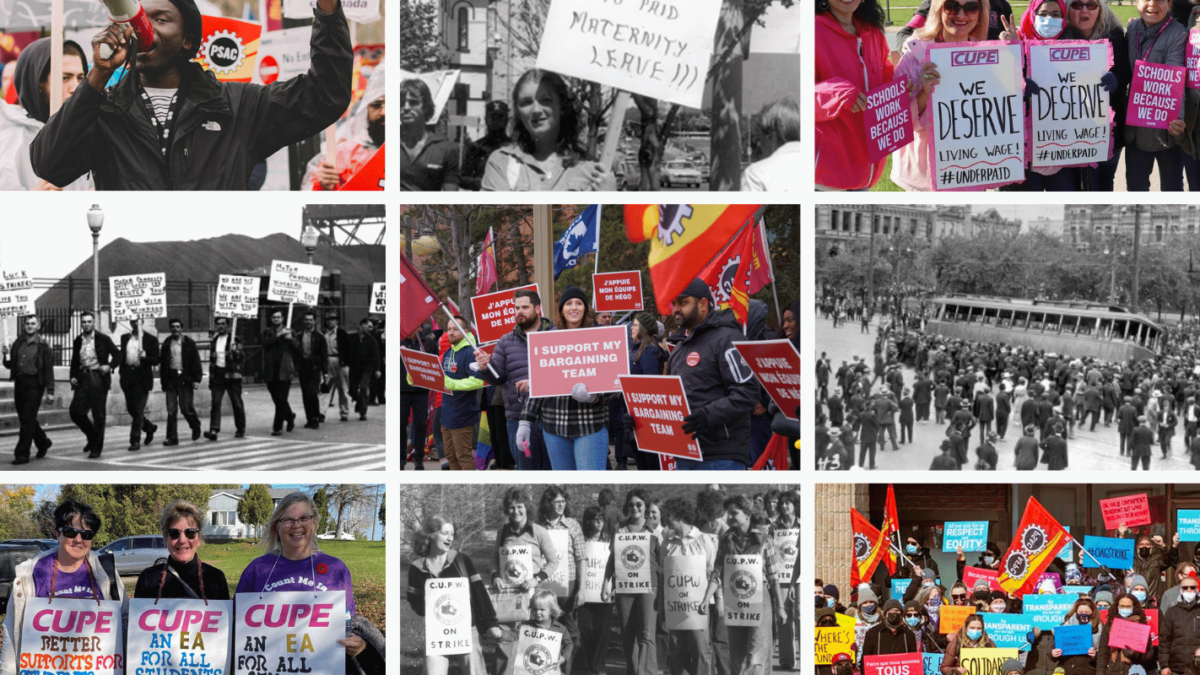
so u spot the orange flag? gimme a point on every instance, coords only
(869, 548)
(1038, 540)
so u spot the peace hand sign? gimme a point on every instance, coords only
(1010, 28)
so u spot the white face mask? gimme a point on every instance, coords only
(1187, 596)
(1047, 26)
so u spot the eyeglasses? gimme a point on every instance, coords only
(958, 596)
(953, 7)
(303, 520)
(190, 533)
(406, 102)
(71, 533)
(1089, 6)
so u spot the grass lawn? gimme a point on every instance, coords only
(901, 14)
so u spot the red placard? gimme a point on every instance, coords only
(973, 574)
(666, 463)
(776, 364)
(558, 359)
(489, 348)
(1133, 510)
(424, 369)
(1152, 618)
(370, 177)
(618, 291)
(658, 405)
(494, 313)
(1124, 634)
(912, 663)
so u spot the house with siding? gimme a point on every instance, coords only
(223, 522)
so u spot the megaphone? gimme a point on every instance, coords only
(129, 12)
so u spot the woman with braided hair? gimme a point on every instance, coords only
(182, 575)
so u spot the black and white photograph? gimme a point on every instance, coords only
(1007, 337)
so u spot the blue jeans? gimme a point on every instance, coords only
(1139, 164)
(709, 465)
(586, 453)
(537, 460)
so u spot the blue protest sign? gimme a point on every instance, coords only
(1047, 610)
(1187, 524)
(1008, 630)
(899, 586)
(933, 663)
(1073, 640)
(1065, 554)
(1115, 553)
(971, 535)
(1076, 590)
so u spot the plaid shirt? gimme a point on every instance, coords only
(566, 417)
(577, 548)
(754, 542)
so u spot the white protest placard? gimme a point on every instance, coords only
(447, 617)
(787, 544)
(1071, 113)
(516, 564)
(181, 635)
(237, 297)
(293, 282)
(16, 294)
(978, 115)
(378, 299)
(282, 54)
(538, 650)
(290, 632)
(138, 296)
(743, 579)
(361, 11)
(660, 48)
(557, 583)
(633, 573)
(71, 636)
(595, 559)
(685, 579)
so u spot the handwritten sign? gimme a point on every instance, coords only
(424, 369)
(833, 641)
(985, 661)
(978, 115)
(557, 583)
(660, 49)
(1073, 640)
(1155, 95)
(560, 359)
(1128, 634)
(495, 315)
(16, 294)
(516, 564)
(618, 291)
(743, 590)
(933, 663)
(293, 282)
(685, 579)
(595, 558)
(237, 297)
(632, 555)
(776, 365)
(1007, 630)
(1187, 524)
(912, 663)
(138, 296)
(290, 632)
(447, 617)
(787, 547)
(1070, 114)
(1110, 551)
(537, 650)
(658, 405)
(183, 634)
(76, 636)
(1133, 510)
(953, 617)
(1047, 610)
(971, 575)
(971, 535)
(378, 298)
(888, 119)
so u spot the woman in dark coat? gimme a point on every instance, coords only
(1111, 661)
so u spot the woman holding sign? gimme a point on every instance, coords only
(1154, 37)
(568, 541)
(1119, 660)
(645, 358)
(182, 575)
(73, 570)
(687, 559)
(595, 594)
(786, 533)
(1095, 20)
(971, 635)
(634, 566)
(1049, 653)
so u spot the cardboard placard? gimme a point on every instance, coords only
(658, 405)
(16, 294)
(557, 583)
(888, 119)
(985, 661)
(494, 314)
(632, 554)
(1132, 510)
(618, 291)
(743, 586)
(1046, 610)
(537, 651)
(290, 632)
(833, 641)
(516, 564)
(237, 297)
(1128, 634)
(44, 651)
(971, 535)
(1073, 640)
(293, 282)
(424, 369)
(978, 137)
(1007, 630)
(1115, 553)
(595, 559)
(560, 359)
(378, 298)
(1187, 524)
(138, 296)
(1070, 115)
(685, 579)
(1192, 56)
(448, 617)
(912, 663)
(776, 365)
(187, 634)
(953, 617)
(1155, 95)
(787, 549)
(974, 574)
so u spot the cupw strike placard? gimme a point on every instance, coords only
(179, 635)
(538, 650)
(595, 559)
(618, 291)
(658, 405)
(776, 364)
(516, 564)
(495, 315)
(684, 583)
(633, 573)
(558, 583)
(71, 636)
(286, 632)
(743, 590)
(558, 359)
(447, 617)
(787, 544)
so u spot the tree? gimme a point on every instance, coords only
(321, 500)
(255, 507)
(126, 510)
(16, 512)
(383, 513)
(345, 498)
(421, 49)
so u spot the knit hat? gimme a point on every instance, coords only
(832, 591)
(648, 323)
(928, 573)
(192, 25)
(865, 595)
(892, 604)
(1104, 596)
(1137, 580)
(1011, 666)
(572, 292)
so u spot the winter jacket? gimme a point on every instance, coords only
(1178, 633)
(460, 403)
(1169, 48)
(881, 640)
(510, 360)
(1026, 451)
(1111, 661)
(846, 66)
(953, 652)
(1152, 566)
(221, 130)
(44, 362)
(1041, 662)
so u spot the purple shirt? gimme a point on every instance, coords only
(66, 585)
(296, 575)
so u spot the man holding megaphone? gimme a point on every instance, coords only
(167, 124)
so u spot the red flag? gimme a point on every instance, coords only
(775, 455)
(486, 263)
(891, 526)
(1038, 540)
(740, 271)
(686, 237)
(417, 301)
(869, 548)
(228, 47)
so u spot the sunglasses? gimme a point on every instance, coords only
(958, 596)
(952, 7)
(1089, 6)
(71, 533)
(913, 615)
(190, 533)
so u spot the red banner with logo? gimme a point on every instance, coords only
(495, 315)
(229, 48)
(776, 364)
(560, 359)
(869, 548)
(417, 301)
(658, 405)
(1037, 542)
(618, 291)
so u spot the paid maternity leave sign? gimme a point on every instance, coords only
(560, 359)
(81, 637)
(888, 118)
(447, 617)
(180, 636)
(1070, 114)
(978, 116)
(290, 632)
(1155, 95)
(658, 405)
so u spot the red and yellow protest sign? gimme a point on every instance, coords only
(1036, 544)
(618, 291)
(776, 364)
(560, 359)
(495, 315)
(229, 48)
(424, 369)
(658, 405)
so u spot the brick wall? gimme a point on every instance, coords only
(832, 541)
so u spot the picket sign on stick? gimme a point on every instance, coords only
(614, 133)
(466, 334)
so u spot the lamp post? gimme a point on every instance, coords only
(309, 238)
(95, 220)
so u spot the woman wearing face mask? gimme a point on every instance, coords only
(997, 602)
(1141, 591)
(1045, 657)
(915, 561)
(1112, 661)
(931, 600)
(891, 635)
(918, 619)
(971, 636)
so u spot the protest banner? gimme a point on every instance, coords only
(985, 661)
(294, 283)
(1193, 59)
(953, 617)
(495, 316)
(282, 54)
(787, 546)
(185, 634)
(537, 650)
(516, 564)
(888, 119)
(237, 297)
(561, 540)
(75, 636)
(1187, 524)
(1007, 630)
(899, 586)
(1131, 511)
(632, 556)
(743, 579)
(370, 177)
(933, 663)
(595, 559)
(776, 364)
(424, 369)
(416, 297)
(138, 296)
(658, 405)
(974, 574)
(560, 359)
(618, 291)
(1070, 114)
(971, 535)
(1129, 635)
(912, 663)
(1155, 95)
(659, 49)
(684, 584)
(290, 632)
(1076, 590)
(447, 617)
(378, 303)
(1073, 640)
(1110, 551)
(228, 47)
(978, 116)
(833, 641)
(16, 297)
(1047, 610)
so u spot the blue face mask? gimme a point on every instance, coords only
(910, 549)
(912, 620)
(974, 633)
(1047, 26)
(1125, 612)
(1140, 595)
